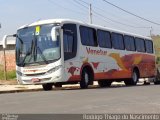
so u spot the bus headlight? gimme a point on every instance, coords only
(19, 73)
(53, 69)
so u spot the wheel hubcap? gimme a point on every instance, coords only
(86, 78)
(134, 77)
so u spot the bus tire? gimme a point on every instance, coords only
(86, 78)
(47, 87)
(134, 79)
(104, 83)
(157, 78)
(157, 82)
(127, 82)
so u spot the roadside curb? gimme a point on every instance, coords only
(65, 87)
(19, 91)
(41, 89)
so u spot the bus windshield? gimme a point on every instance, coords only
(35, 46)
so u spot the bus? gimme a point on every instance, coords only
(62, 51)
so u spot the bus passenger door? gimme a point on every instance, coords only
(71, 65)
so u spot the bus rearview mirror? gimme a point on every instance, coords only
(55, 33)
(4, 40)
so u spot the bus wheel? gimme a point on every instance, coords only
(57, 85)
(47, 87)
(134, 79)
(157, 78)
(104, 83)
(86, 78)
(157, 82)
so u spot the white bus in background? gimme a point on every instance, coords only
(60, 51)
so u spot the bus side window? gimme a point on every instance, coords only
(69, 41)
(118, 41)
(149, 46)
(140, 45)
(88, 36)
(104, 39)
(129, 43)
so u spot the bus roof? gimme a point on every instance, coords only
(41, 22)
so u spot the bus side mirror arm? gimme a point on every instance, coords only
(14, 35)
(4, 40)
(54, 33)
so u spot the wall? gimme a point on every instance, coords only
(10, 62)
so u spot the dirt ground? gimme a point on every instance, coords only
(8, 82)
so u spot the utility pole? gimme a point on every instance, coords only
(5, 70)
(90, 13)
(151, 30)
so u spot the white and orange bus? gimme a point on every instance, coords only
(62, 51)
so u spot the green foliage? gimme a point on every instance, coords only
(11, 75)
(156, 40)
(1, 75)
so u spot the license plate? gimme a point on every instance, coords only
(35, 80)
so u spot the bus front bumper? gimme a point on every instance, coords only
(42, 79)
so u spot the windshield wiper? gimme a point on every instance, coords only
(19, 39)
(35, 48)
(27, 54)
(43, 57)
(33, 53)
(23, 62)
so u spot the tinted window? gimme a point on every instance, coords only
(140, 45)
(69, 41)
(149, 46)
(88, 36)
(129, 43)
(104, 39)
(117, 41)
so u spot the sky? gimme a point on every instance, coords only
(15, 13)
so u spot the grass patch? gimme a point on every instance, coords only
(11, 75)
(1, 75)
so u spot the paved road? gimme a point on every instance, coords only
(138, 99)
